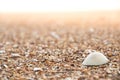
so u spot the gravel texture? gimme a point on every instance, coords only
(57, 52)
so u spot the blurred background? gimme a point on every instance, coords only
(60, 12)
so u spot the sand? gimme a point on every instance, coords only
(57, 52)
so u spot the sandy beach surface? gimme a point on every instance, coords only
(56, 52)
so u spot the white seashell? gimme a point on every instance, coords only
(95, 58)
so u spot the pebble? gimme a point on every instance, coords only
(15, 46)
(68, 78)
(91, 30)
(0, 68)
(15, 55)
(37, 69)
(55, 35)
(2, 51)
(5, 66)
(35, 60)
(1, 45)
(108, 71)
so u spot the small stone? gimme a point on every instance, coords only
(0, 68)
(91, 30)
(15, 55)
(8, 43)
(119, 72)
(18, 68)
(27, 54)
(53, 34)
(2, 51)
(5, 66)
(15, 46)
(108, 71)
(1, 45)
(35, 60)
(37, 69)
(68, 78)
(106, 42)
(110, 54)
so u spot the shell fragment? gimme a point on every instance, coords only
(37, 69)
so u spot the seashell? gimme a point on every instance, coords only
(95, 58)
